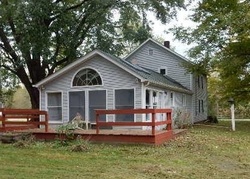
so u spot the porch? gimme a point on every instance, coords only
(152, 135)
(111, 135)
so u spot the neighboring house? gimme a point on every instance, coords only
(151, 76)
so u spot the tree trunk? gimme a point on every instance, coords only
(34, 97)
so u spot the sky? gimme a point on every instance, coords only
(159, 28)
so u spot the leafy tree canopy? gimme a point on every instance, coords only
(222, 39)
(38, 37)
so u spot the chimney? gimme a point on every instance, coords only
(167, 44)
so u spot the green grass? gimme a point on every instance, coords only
(204, 152)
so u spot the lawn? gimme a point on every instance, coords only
(204, 152)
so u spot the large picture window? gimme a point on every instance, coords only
(54, 104)
(124, 99)
(87, 77)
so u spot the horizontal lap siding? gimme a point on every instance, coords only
(113, 78)
(161, 57)
(200, 94)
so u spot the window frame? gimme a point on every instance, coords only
(115, 105)
(184, 100)
(81, 86)
(171, 97)
(53, 107)
(163, 68)
(150, 51)
(202, 82)
(70, 108)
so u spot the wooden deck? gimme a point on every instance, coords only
(131, 136)
(111, 135)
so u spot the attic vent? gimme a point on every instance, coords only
(150, 51)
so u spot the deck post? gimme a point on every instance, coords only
(153, 123)
(169, 121)
(3, 119)
(97, 123)
(46, 122)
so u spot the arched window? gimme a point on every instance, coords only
(87, 77)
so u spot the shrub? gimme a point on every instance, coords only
(26, 141)
(80, 145)
(182, 118)
(66, 132)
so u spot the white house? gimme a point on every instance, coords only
(151, 76)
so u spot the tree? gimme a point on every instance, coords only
(222, 39)
(20, 99)
(39, 37)
(8, 84)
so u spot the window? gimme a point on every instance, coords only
(202, 82)
(150, 51)
(54, 104)
(87, 77)
(124, 99)
(147, 98)
(172, 99)
(184, 100)
(201, 106)
(198, 81)
(97, 100)
(76, 103)
(163, 70)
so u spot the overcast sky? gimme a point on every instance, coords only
(182, 19)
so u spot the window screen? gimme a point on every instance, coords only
(54, 104)
(76, 103)
(97, 100)
(124, 99)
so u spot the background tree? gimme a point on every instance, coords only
(8, 85)
(20, 99)
(39, 37)
(222, 44)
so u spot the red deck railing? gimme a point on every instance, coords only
(18, 117)
(153, 123)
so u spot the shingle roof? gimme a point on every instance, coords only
(150, 75)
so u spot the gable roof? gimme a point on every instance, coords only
(143, 74)
(161, 46)
(155, 78)
(78, 62)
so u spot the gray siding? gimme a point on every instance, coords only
(200, 94)
(161, 57)
(113, 78)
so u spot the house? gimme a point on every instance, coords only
(152, 76)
